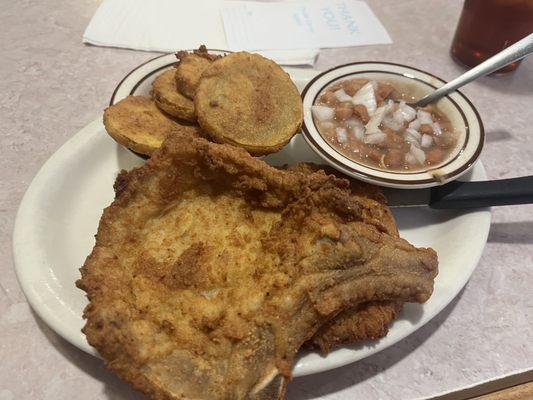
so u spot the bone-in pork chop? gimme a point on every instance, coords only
(211, 269)
(367, 321)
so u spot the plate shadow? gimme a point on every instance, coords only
(511, 232)
(326, 383)
(127, 160)
(316, 385)
(114, 387)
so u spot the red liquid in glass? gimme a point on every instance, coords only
(488, 26)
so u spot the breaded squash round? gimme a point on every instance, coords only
(136, 123)
(189, 69)
(247, 100)
(168, 99)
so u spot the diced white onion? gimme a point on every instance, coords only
(392, 123)
(424, 117)
(359, 132)
(375, 120)
(341, 95)
(426, 141)
(375, 138)
(397, 116)
(356, 127)
(366, 97)
(341, 134)
(437, 130)
(417, 153)
(415, 124)
(327, 125)
(408, 113)
(351, 122)
(323, 113)
(412, 136)
(410, 159)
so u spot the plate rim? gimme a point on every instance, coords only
(19, 243)
(26, 279)
(130, 87)
(151, 60)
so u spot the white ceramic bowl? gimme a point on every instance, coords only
(462, 114)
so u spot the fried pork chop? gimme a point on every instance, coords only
(211, 269)
(367, 321)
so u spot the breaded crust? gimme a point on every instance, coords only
(211, 269)
(249, 101)
(368, 321)
(189, 69)
(168, 99)
(364, 192)
(136, 123)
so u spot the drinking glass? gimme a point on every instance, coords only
(488, 26)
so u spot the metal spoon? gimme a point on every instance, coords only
(515, 52)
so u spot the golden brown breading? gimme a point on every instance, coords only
(189, 69)
(211, 269)
(137, 123)
(362, 191)
(168, 99)
(249, 101)
(368, 321)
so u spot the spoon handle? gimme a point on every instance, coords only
(515, 52)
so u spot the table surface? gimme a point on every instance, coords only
(52, 85)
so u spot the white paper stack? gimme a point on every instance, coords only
(301, 24)
(289, 32)
(171, 25)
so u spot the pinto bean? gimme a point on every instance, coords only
(353, 85)
(343, 111)
(426, 129)
(434, 156)
(383, 91)
(445, 126)
(393, 141)
(328, 98)
(436, 114)
(394, 158)
(361, 112)
(445, 140)
(368, 153)
(395, 95)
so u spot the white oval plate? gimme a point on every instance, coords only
(59, 214)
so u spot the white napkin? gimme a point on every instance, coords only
(171, 25)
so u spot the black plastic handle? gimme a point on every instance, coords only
(455, 195)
